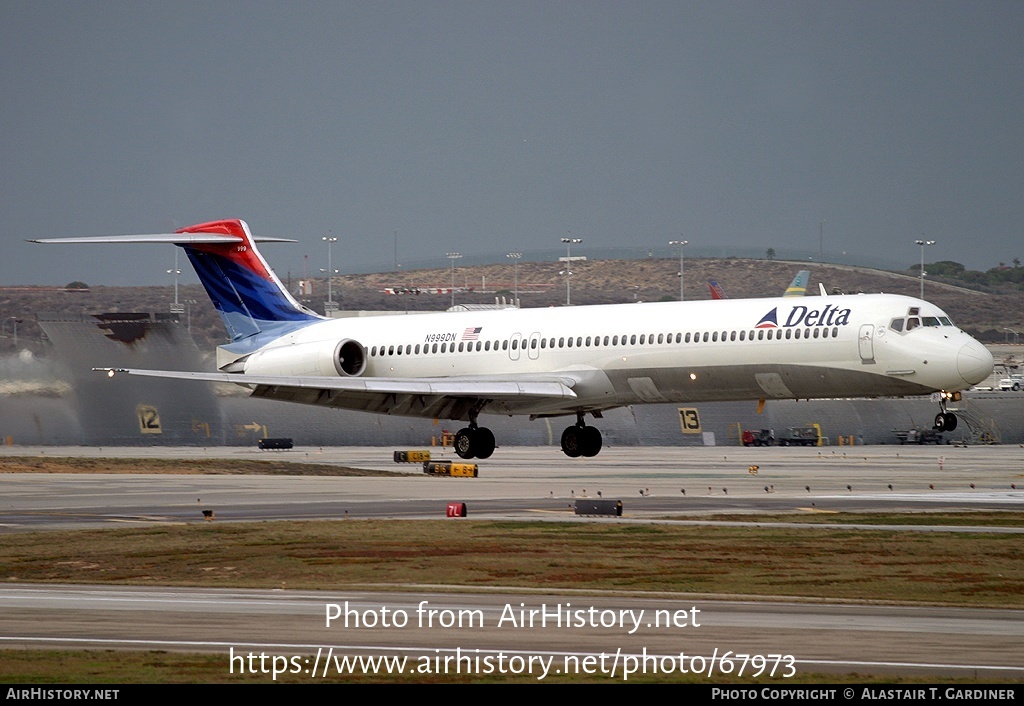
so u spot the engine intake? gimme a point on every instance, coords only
(349, 358)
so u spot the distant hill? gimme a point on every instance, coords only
(984, 314)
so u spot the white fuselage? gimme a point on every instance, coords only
(615, 355)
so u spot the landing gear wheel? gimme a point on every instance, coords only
(483, 444)
(591, 438)
(950, 421)
(579, 440)
(465, 442)
(945, 421)
(571, 441)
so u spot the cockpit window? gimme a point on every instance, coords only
(896, 325)
(945, 321)
(930, 321)
(912, 323)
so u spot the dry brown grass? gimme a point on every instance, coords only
(928, 567)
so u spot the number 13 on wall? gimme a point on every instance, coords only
(689, 420)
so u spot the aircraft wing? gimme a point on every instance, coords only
(449, 397)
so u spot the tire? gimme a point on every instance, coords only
(571, 442)
(940, 422)
(951, 421)
(592, 442)
(465, 443)
(484, 443)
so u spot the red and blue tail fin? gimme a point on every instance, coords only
(246, 292)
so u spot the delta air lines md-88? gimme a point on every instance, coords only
(570, 361)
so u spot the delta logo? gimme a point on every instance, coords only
(769, 320)
(805, 316)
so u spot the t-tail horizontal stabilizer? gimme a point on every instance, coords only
(246, 292)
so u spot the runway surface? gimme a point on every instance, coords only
(518, 482)
(529, 483)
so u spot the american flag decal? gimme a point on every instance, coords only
(471, 334)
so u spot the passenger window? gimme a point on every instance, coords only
(504, 345)
(433, 348)
(606, 340)
(588, 340)
(835, 332)
(660, 338)
(487, 345)
(561, 342)
(568, 342)
(714, 336)
(642, 337)
(732, 336)
(743, 335)
(632, 340)
(579, 341)
(533, 343)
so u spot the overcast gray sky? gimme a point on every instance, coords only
(487, 126)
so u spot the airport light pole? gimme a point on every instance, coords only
(680, 244)
(176, 307)
(330, 240)
(176, 272)
(569, 242)
(453, 256)
(922, 243)
(515, 256)
(16, 321)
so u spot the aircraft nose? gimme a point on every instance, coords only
(974, 362)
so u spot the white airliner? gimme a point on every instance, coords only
(570, 361)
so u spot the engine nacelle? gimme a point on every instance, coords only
(345, 358)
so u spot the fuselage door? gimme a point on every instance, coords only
(865, 342)
(514, 344)
(534, 346)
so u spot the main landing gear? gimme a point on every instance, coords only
(581, 440)
(474, 442)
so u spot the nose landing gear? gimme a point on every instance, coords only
(946, 421)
